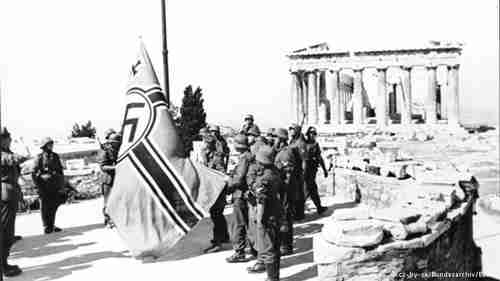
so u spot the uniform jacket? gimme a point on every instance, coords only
(108, 157)
(313, 155)
(301, 146)
(10, 172)
(214, 155)
(48, 172)
(245, 128)
(265, 185)
(237, 184)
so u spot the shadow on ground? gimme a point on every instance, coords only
(39, 246)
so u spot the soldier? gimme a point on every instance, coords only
(265, 185)
(49, 179)
(10, 194)
(312, 161)
(237, 186)
(288, 162)
(270, 136)
(108, 157)
(298, 141)
(249, 124)
(222, 149)
(213, 156)
(255, 140)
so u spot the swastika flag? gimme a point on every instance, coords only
(158, 195)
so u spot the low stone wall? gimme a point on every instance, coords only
(449, 248)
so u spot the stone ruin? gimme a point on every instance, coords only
(420, 224)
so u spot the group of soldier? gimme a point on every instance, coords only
(48, 178)
(269, 186)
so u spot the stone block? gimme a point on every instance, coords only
(358, 213)
(327, 253)
(396, 229)
(355, 233)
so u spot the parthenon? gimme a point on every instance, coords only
(383, 87)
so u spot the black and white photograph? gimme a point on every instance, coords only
(321, 140)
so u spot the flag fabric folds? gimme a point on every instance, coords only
(158, 195)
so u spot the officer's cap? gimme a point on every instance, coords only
(265, 155)
(248, 117)
(46, 141)
(282, 133)
(214, 128)
(4, 133)
(241, 141)
(253, 131)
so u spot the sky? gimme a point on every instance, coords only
(63, 62)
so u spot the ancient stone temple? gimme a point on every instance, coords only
(366, 88)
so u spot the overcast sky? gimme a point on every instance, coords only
(67, 61)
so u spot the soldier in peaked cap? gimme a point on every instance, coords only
(49, 179)
(248, 123)
(265, 185)
(288, 161)
(238, 187)
(107, 161)
(10, 196)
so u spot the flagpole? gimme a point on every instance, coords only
(165, 52)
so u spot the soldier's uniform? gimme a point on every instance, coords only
(237, 186)
(288, 162)
(49, 179)
(247, 127)
(213, 156)
(313, 160)
(10, 196)
(107, 162)
(259, 142)
(270, 135)
(299, 143)
(265, 212)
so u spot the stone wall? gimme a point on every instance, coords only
(426, 229)
(446, 251)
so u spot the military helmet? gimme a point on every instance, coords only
(282, 133)
(241, 141)
(311, 130)
(108, 133)
(115, 137)
(265, 155)
(271, 132)
(295, 127)
(4, 133)
(214, 128)
(253, 131)
(46, 141)
(248, 117)
(203, 131)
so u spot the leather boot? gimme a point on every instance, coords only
(11, 270)
(273, 271)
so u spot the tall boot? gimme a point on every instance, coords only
(273, 271)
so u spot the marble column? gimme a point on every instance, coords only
(295, 96)
(312, 98)
(430, 102)
(381, 110)
(300, 97)
(357, 98)
(332, 95)
(342, 100)
(445, 90)
(406, 111)
(305, 98)
(453, 92)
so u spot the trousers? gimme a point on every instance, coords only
(220, 231)
(8, 210)
(48, 209)
(240, 238)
